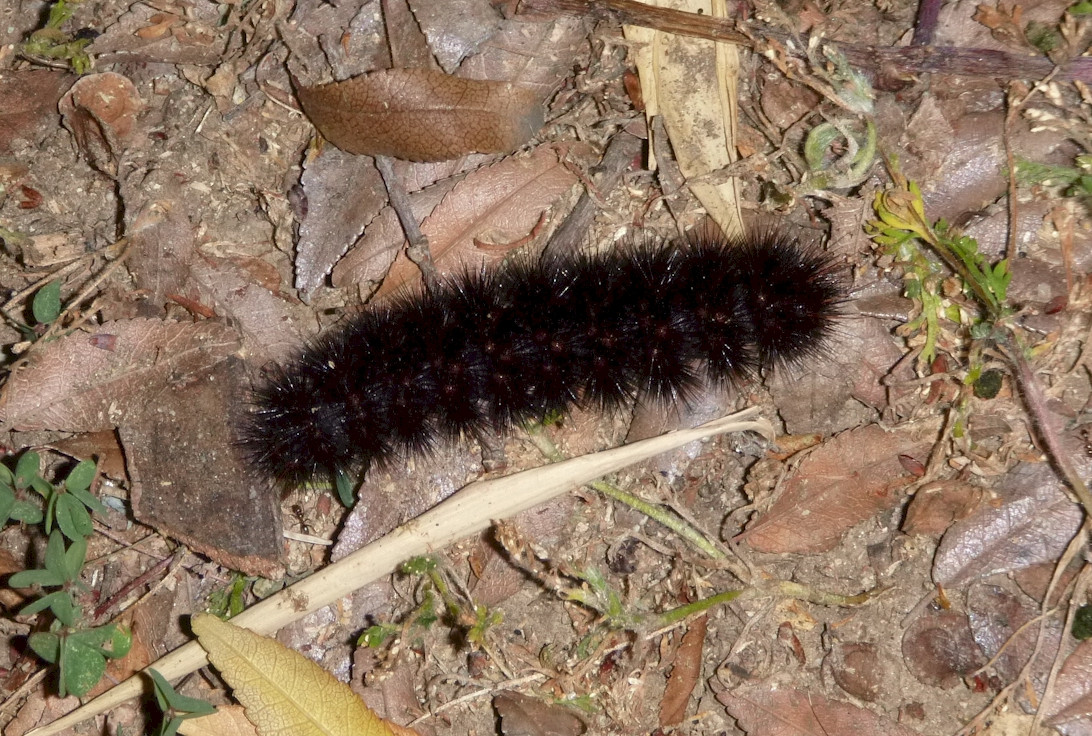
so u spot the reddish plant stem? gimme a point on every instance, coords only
(137, 582)
(1044, 423)
(925, 25)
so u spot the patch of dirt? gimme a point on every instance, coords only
(910, 553)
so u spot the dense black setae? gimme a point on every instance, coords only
(489, 350)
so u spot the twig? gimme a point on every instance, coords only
(1043, 419)
(170, 562)
(418, 250)
(1075, 602)
(618, 157)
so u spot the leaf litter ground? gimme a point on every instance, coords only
(200, 176)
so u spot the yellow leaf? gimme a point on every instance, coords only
(284, 693)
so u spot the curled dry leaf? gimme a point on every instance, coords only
(283, 691)
(684, 674)
(692, 84)
(76, 385)
(850, 478)
(859, 669)
(422, 115)
(101, 111)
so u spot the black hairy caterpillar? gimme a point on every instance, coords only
(485, 351)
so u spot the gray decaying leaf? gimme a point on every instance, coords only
(344, 193)
(1033, 523)
(939, 649)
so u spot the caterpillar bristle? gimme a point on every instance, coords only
(488, 350)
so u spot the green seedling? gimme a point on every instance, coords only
(69, 505)
(228, 602)
(51, 42)
(904, 229)
(13, 504)
(80, 654)
(175, 706)
(62, 570)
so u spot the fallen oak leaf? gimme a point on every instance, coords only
(283, 691)
(422, 114)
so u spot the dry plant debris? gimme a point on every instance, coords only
(909, 557)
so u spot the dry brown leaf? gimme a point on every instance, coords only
(768, 712)
(939, 649)
(162, 241)
(30, 99)
(271, 326)
(497, 205)
(684, 675)
(371, 257)
(1033, 523)
(283, 691)
(857, 668)
(937, 505)
(523, 715)
(190, 480)
(92, 382)
(849, 479)
(102, 446)
(11, 598)
(101, 111)
(422, 115)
